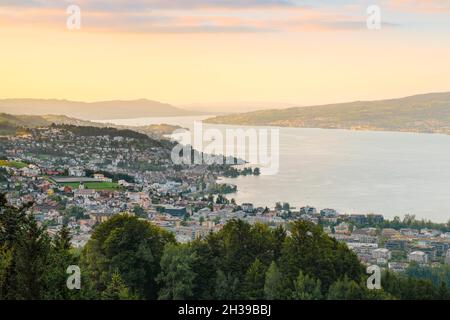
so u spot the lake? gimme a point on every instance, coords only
(389, 173)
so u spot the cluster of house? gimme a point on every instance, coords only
(395, 249)
(63, 152)
(168, 204)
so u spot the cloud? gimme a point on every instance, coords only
(126, 5)
(420, 6)
(191, 16)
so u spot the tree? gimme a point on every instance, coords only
(311, 251)
(116, 289)
(6, 257)
(139, 211)
(345, 289)
(275, 285)
(31, 259)
(132, 247)
(443, 293)
(221, 199)
(405, 287)
(177, 278)
(279, 235)
(226, 286)
(254, 281)
(11, 220)
(306, 288)
(238, 244)
(60, 258)
(31, 264)
(62, 239)
(206, 267)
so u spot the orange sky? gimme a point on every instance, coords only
(219, 54)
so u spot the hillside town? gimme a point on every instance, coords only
(81, 177)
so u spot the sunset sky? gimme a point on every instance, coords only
(224, 51)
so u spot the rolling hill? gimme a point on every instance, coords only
(10, 124)
(420, 113)
(117, 109)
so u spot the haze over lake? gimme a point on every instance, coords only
(390, 173)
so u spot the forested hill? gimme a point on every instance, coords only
(421, 113)
(89, 131)
(10, 124)
(103, 110)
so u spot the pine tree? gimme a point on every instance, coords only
(60, 259)
(443, 293)
(62, 239)
(6, 257)
(31, 257)
(23, 254)
(226, 286)
(345, 289)
(116, 289)
(177, 277)
(254, 281)
(306, 288)
(11, 220)
(275, 287)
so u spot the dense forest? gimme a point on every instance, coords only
(129, 258)
(90, 131)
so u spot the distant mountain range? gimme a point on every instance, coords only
(105, 110)
(11, 124)
(419, 113)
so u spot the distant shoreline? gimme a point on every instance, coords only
(330, 128)
(426, 113)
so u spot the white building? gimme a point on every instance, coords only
(31, 171)
(328, 213)
(381, 253)
(418, 256)
(381, 256)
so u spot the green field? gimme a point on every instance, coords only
(93, 185)
(12, 164)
